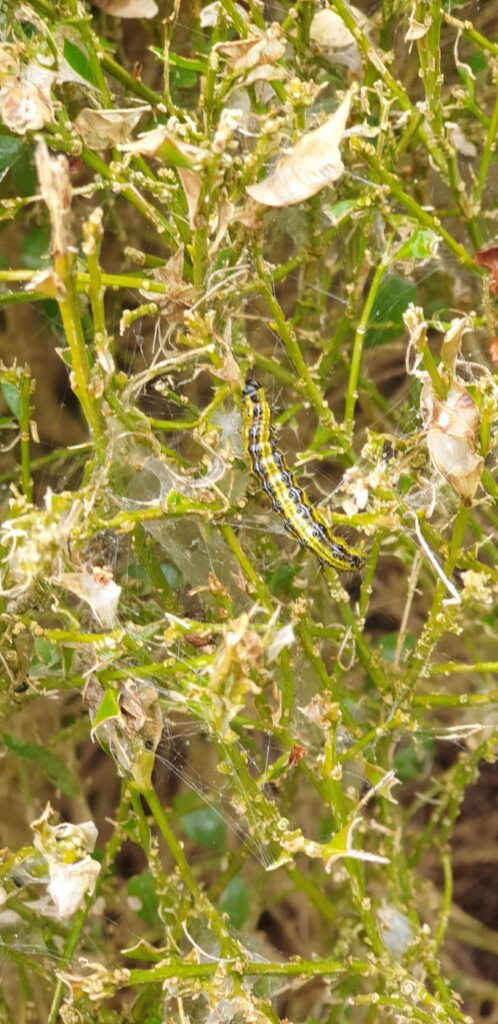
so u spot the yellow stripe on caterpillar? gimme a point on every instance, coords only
(300, 517)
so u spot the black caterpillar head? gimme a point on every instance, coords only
(251, 388)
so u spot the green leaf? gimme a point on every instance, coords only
(177, 61)
(340, 210)
(235, 901)
(78, 61)
(172, 575)
(24, 177)
(205, 827)
(10, 150)
(181, 79)
(12, 396)
(386, 321)
(422, 245)
(169, 153)
(281, 581)
(414, 759)
(35, 246)
(477, 62)
(49, 765)
(109, 708)
(389, 642)
(46, 656)
(142, 887)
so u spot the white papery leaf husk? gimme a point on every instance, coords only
(128, 8)
(328, 31)
(101, 129)
(312, 164)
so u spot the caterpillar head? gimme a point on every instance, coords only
(251, 388)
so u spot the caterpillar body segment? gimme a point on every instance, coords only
(300, 517)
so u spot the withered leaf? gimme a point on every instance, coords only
(101, 129)
(314, 162)
(55, 187)
(128, 8)
(159, 142)
(488, 258)
(24, 107)
(452, 428)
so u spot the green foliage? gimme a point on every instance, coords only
(205, 827)
(235, 901)
(48, 764)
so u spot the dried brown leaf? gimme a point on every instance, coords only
(128, 8)
(416, 29)
(9, 65)
(314, 162)
(328, 31)
(101, 129)
(459, 140)
(489, 258)
(452, 426)
(265, 73)
(246, 54)
(24, 107)
(209, 15)
(192, 185)
(159, 141)
(180, 295)
(331, 37)
(55, 187)
(493, 351)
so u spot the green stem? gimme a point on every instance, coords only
(26, 387)
(131, 84)
(93, 233)
(228, 946)
(354, 373)
(251, 968)
(69, 949)
(424, 218)
(70, 315)
(259, 586)
(288, 337)
(429, 52)
(435, 623)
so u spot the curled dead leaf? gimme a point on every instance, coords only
(24, 107)
(452, 426)
(452, 341)
(98, 590)
(210, 14)
(314, 162)
(265, 73)
(55, 187)
(9, 65)
(296, 755)
(192, 185)
(330, 36)
(328, 31)
(416, 29)
(180, 295)
(47, 282)
(128, 8)
(488, 258)
(459, 140)
(101, 129)
(245, 54)
(132, 728)
(67, 849)
(161, 143)
(493, 351)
